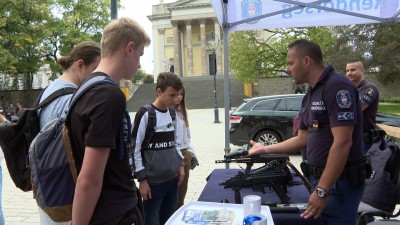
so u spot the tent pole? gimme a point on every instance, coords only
(226, 79)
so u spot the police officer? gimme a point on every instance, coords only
(330, 129)
(369, 96)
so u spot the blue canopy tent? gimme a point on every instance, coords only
(239, 15)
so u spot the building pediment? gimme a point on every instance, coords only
(183, 4)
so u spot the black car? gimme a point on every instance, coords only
(266, 119)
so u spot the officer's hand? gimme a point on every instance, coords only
(257, 149)
(194, 163)
(315, 206)
(144, 189)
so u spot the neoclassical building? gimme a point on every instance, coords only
(184, 35)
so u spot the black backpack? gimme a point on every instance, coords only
(152, 123)
(382, 189)
(15, 139)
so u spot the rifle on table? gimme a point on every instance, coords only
(274, 175)
(262, 158)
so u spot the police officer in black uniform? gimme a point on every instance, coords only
(331, 131)
(369, 97)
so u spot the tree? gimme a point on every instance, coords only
(34, 32)
(21, 33)
(72, 23)
(255, 54)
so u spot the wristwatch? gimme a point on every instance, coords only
(321, 192)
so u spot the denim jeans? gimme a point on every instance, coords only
(343, 201)
(2, 222)
(164, 197)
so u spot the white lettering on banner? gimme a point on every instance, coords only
(318, 106)
(351, 6)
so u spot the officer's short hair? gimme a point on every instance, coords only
(308, 48)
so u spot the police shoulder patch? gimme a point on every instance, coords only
(343, 99)
(370, 92)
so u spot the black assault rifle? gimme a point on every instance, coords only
(275, 174)
(262, 158)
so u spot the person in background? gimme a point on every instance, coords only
(369, 97)
(183, 140)
(331, 130)
(2, 221)
(19, 109)
(81, 61)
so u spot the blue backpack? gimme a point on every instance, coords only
(52, 163)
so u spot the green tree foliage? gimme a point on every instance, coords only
(21, 34)
(255, 54)
(34, 32)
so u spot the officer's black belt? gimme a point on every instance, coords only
(317, 172)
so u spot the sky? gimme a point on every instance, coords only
(139, 10)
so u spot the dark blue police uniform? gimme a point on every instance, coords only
(369, 95)
(333, 102)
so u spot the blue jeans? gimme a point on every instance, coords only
(2, 222)
(164, 197)
(343, 201)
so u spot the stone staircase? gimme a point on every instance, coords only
(199, 93)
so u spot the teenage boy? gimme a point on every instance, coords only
(159, 164)
(105, 191)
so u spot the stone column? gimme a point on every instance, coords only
(218, 51)
(204, 70)
(189, 46)
(162, 67)
(177, 58)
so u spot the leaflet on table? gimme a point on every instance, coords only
(205, 217)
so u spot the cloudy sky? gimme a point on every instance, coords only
(139, 12)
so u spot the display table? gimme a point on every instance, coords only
(213, 192)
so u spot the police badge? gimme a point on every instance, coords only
(250, 9)
(343, 99)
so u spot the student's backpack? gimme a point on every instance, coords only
(15, 139)
(52, 163)
(382, 190)
(152, 123)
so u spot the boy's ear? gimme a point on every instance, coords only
(129, 47)
(158, 91)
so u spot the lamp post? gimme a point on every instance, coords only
(213, 44)
(114, 10)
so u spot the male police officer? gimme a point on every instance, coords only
(369, 97)
(330, 129)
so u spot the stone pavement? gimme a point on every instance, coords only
(207, 138)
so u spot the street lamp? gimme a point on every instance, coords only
(212, 44)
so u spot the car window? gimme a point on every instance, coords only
(293, 104)
(289, 104)
(266, 104)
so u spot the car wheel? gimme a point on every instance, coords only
(268, 137)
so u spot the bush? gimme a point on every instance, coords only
(390, 100)
(148, 79)
(138, 76)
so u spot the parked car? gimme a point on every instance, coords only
(266, 119)
(388, 119)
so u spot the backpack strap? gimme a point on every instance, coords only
(151, 125)
(92, 80)
(53, 96)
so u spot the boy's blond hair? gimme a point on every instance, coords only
(120, 32)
